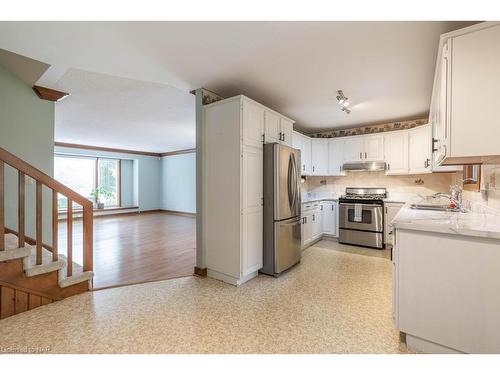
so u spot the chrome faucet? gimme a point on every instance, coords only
(457, 201)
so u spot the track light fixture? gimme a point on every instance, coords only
(343, 102)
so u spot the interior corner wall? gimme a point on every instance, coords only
(27, 131)
(178, 181)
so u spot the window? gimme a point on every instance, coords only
(108, 181)
(89, 176)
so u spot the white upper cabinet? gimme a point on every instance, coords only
(277, 129)
(373, 148)
(465, 100)
(336, 156)
(286, 129)
(396, 152)
(319, 156)
(353, 149)
(253, 124)
(364, 148)
(272, 127)
(420, 139)
(303, 143)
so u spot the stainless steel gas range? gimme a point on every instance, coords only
(361, 217)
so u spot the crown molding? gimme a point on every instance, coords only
(49, 94)
(108, 149)
(179, 152)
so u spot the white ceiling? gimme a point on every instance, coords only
(385, 68)
(109, 111)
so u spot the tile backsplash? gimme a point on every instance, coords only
(424, 184)
(490, 181)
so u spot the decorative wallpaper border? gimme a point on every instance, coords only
(210, 97)
(371, 129)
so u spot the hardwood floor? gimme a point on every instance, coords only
(136, 248)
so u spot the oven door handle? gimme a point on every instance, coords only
(363, 204)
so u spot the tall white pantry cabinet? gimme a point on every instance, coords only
(235, 130)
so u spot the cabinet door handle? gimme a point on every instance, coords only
(388, 166)
(314, 217)
(434, 141)
(366, 155)
(303, 167)
(263, 138)
(332, 207)
(313, 168)
(361, 155)
(283, 137)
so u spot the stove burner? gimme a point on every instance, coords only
(365, 193)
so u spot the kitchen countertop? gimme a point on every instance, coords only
(472, 224)
(391, 198)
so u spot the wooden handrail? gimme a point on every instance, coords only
(25, 169)
(45, 179)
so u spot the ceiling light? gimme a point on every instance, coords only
(343, 102)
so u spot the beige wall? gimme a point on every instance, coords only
(435, 182)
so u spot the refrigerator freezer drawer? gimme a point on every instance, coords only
(287, 244)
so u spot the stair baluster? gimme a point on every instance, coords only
(38, 228)
(70, 237)
(20, 209)
(55, 213)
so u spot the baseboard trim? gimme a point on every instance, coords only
(231, 279)
(181, 213)
(199, 271)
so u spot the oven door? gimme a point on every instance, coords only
(371, 217)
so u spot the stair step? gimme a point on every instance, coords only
(76, 278)
(46, 267)
(28, 254)
(15, 253)
(11, 242)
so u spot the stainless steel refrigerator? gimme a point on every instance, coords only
(282, 234)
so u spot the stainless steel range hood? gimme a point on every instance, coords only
(365, 166)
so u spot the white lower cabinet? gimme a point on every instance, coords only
(317, 224)
(318, 219)
(390, 212)
(330, 218)
(445, 292)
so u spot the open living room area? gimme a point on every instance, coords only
(257, 187)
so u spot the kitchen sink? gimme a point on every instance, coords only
(433, 207)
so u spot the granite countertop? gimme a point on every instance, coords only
(475, 224)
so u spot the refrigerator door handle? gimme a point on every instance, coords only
(290, 183)
(296, 204)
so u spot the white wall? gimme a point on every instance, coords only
(178, 179)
